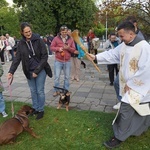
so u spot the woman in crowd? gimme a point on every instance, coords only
(32, 51)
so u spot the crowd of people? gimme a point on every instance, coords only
(126, 53)
(8, 47)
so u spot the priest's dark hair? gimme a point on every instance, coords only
(126, 25)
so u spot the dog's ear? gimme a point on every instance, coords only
(21, 113)
(27, 112)
(27, 109)
(68, 93)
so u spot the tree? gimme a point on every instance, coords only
(39, 15)
(99, 30)
(48, 15)
(3, 3)
(8, 16)
(141, 10)
(118, 10)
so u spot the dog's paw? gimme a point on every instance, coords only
(58, 107)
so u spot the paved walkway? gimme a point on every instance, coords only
(92, 92)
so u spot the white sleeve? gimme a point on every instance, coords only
(13, 42)
(109, 57)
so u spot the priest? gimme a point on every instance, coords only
(133, 55)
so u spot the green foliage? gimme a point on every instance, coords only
(48, 16)
(99, 30)
(9, 21)
(117, 11)
(40, 16)
(19, 3)
(73, 130)
(3, 3)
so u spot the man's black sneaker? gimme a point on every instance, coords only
(40, 115)
(112, 143)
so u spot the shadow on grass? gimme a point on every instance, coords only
(73, 130)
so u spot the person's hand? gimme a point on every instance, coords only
(126, 89)
(34, 75)
(66, 46)
(90, 56)
(9, 76)
(76, 52)
(61, 49)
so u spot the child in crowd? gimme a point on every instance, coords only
(2, 102)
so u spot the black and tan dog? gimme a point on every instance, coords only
(64, 99)
(12, 127)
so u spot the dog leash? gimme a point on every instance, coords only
(10, 95)
(63, 89)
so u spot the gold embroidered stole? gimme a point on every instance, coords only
(133, 97)
(133, 64)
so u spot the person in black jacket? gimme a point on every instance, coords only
(31, 50)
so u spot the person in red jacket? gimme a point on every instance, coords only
(63, 45)
(90, 36)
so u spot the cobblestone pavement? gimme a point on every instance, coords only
(92, 92)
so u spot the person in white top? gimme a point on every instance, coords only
(133, 55)
(11, 44)
(2, 48)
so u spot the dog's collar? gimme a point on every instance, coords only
(18, 118)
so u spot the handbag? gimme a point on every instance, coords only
(48, 70)
(47, 67)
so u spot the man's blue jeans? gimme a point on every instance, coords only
(37, 90)
(58, 67)
(117, 88)
(2, 103)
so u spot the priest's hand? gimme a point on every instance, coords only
(126, 89)
(90, 56)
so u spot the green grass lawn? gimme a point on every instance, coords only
(73, 130)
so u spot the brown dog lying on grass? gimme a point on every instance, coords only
(12, 127)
